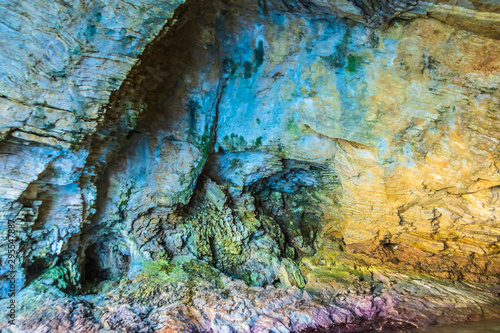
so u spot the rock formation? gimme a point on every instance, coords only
(249, 166)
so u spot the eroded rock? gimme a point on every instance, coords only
(265, 166)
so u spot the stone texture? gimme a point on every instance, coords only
(59, 66)
(265, 166)
(408, 145)
(191, 296)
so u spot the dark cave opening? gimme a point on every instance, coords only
(35, 269)
(105, 260)
(92, 272)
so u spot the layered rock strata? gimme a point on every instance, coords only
(263, 166)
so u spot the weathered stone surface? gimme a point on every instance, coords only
(59, 65)
(191, 296)
(414, 146)
(266, 166)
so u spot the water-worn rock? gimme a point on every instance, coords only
(265, 166)
(59, 65)
(191, 296)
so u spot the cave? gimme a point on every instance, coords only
(106, 260)
(250, 166)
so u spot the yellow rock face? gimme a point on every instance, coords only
(431, 180)
(408, 117)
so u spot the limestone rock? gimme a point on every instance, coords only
(265, 166)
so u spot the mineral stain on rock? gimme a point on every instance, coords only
(239, 166)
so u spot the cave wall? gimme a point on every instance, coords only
(407, 119)
(59, 66)
(271, 141)
(380, 112)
